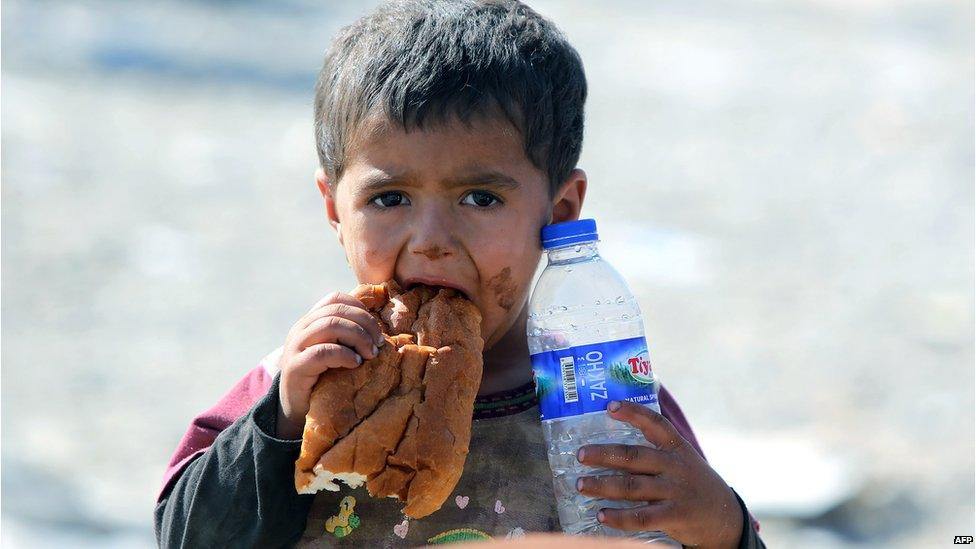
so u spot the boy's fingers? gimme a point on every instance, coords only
(318, 358)
(624, 487)
(626, 457)
(655, 427)
(335, 297)
(356, 314)
(335, 329)
(643, 518)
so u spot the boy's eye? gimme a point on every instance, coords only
(480, 199)
(390, 199)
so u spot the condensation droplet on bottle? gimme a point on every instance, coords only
(625, 316)
(573, 326)
(578, 249)
(563, 308)
(620, 299)
(569, 269)
(598, 302)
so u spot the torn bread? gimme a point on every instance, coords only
(400, 422)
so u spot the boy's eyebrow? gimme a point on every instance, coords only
(489, 178)
(380, 180)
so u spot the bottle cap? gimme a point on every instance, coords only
(570, 232)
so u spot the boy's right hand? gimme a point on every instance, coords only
(338, 332)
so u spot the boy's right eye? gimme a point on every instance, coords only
(389, 199)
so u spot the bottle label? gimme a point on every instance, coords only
(579, 380)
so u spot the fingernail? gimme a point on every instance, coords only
(613, 406)
(359, 359)
(580, 454)
(600, 516)
(376, 350)
(579, 484)
(380, 341)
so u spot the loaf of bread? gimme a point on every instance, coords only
(400, 422)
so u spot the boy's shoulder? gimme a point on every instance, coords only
(235, 403)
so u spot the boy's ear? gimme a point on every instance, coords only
(568, 202)
(322, 181)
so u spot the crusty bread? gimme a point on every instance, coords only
(400, 422)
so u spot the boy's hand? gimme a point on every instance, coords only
(681, 494)
(338, 332)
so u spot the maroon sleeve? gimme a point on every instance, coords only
(205, 427)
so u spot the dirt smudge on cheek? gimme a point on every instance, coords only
(504, 289)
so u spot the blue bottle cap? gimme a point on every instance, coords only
(570, 232)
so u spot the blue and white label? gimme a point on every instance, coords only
(579, 380)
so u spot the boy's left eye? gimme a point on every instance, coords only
(389, 199)
(481, 199)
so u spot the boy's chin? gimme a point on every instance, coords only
(511, 332)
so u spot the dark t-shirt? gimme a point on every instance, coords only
(505, 490)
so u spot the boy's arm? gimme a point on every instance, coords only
(237, 490)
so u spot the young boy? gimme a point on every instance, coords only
(448, 134)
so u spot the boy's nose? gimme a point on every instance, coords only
(433, 232)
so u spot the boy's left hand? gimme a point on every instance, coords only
(682, 495)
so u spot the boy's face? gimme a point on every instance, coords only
(453, 206)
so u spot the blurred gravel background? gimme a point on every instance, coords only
(788, 186)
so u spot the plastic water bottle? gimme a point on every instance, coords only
(586, 340)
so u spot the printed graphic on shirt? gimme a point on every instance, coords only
(458, 534)
(346, 521)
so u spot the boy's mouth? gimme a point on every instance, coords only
(410, 282)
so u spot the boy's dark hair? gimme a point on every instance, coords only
(423, 62)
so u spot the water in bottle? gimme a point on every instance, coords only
(586, 339)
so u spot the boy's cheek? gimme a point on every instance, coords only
(370, 263)
(514, 259)
(504, 290)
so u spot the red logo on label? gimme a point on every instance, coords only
(639, 366)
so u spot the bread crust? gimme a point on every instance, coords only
(401, 421)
